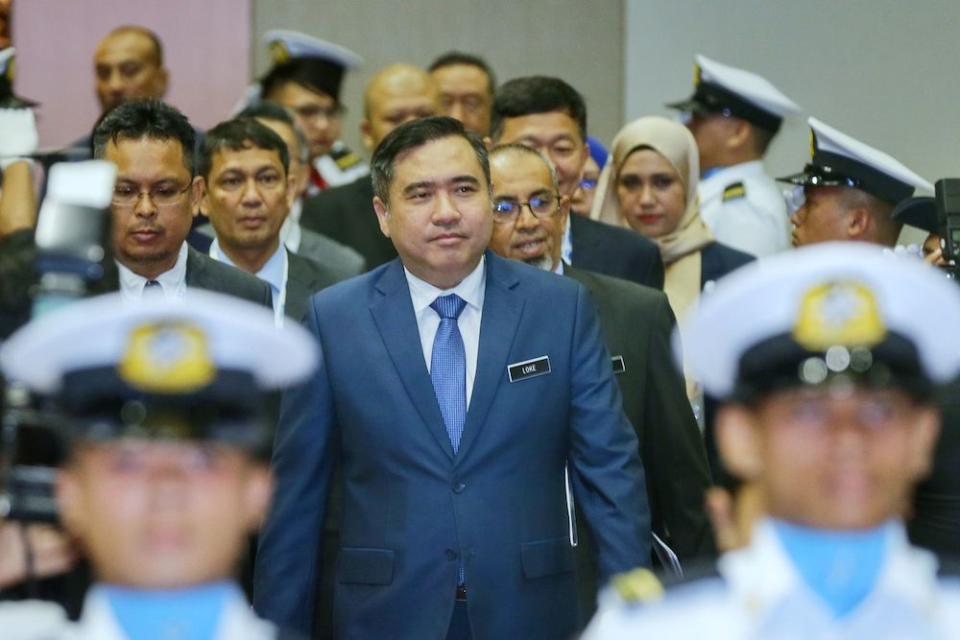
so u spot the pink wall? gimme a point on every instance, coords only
(206, 49)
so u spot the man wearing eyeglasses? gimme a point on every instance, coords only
(636, 323)
(154, 201)
(549, 115)
(306, 77)
(848, 191)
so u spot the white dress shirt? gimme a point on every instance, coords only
(173, 283)
(471, 289)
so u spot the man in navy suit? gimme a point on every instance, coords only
(456, 392)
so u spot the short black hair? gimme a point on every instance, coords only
(452, 58)
(236, 135)
(149, 118)
(536, 94)
(414, 134)
(269, 110)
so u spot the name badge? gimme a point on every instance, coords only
(529, 369)
(618, 364)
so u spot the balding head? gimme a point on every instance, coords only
(396, 94)
(128, 64)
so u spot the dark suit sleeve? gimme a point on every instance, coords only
(288, 563)
(608, 477)
(675, 448)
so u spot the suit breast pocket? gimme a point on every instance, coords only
(546, 557)
(365, 566)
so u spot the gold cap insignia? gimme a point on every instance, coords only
(167, 357)
(697, 75)
(279, 52)
(813, 143)
(838, 313)
(638, 586)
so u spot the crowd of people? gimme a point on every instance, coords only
(501, 379)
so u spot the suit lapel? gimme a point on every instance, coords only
(393, 314)
(194, 268)
(502, 309)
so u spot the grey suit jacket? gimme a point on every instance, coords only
(335, 258)
(204, 272)
(304, 279)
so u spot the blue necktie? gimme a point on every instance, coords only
(448, 367)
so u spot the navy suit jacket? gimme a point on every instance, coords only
(411, 509)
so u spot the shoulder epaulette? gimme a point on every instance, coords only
(734, 191)
(345, 158)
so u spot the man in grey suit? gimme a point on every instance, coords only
(636, 323)
(247, 193)
(336, 257)
(154, 202)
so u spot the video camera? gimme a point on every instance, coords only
(72, 230)
(947, 199)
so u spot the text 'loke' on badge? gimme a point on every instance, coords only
(529, 369)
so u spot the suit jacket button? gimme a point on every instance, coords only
(459, 487)
(451, 554)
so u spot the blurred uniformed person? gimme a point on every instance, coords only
(734, 115)
(848, 191)
(306, 76)
(159, 401)
(830, 412)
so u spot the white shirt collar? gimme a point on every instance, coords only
(290, 232)
(471, 288)
(271, 272)
(173, 282)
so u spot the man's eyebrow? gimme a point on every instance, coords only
(465, 178)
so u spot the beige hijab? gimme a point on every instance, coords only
(680, 248)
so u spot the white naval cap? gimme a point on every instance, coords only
(835, 310)
(160, 345)
(838, 160)
(285, 45)
(720, 88)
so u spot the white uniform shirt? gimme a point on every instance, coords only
(761, 596)
(46, 621)
(745, 209)
(471, 289)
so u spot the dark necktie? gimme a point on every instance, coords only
(448, 367)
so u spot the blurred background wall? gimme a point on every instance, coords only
(881, 70)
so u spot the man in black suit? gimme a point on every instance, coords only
(636, 323)
(247, 194)
(548, 115)
(396, 94)
(154, 202)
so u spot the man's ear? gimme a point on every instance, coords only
(740, 133)
(366, 135)
(383, 215)
(924, 433)
(860, 224)
(162, 78)
(738, 441)
(292, 192)
(566, 201)
(257, 496)
(70, 502)
(199, 196)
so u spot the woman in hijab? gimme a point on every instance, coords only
(649, 184)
